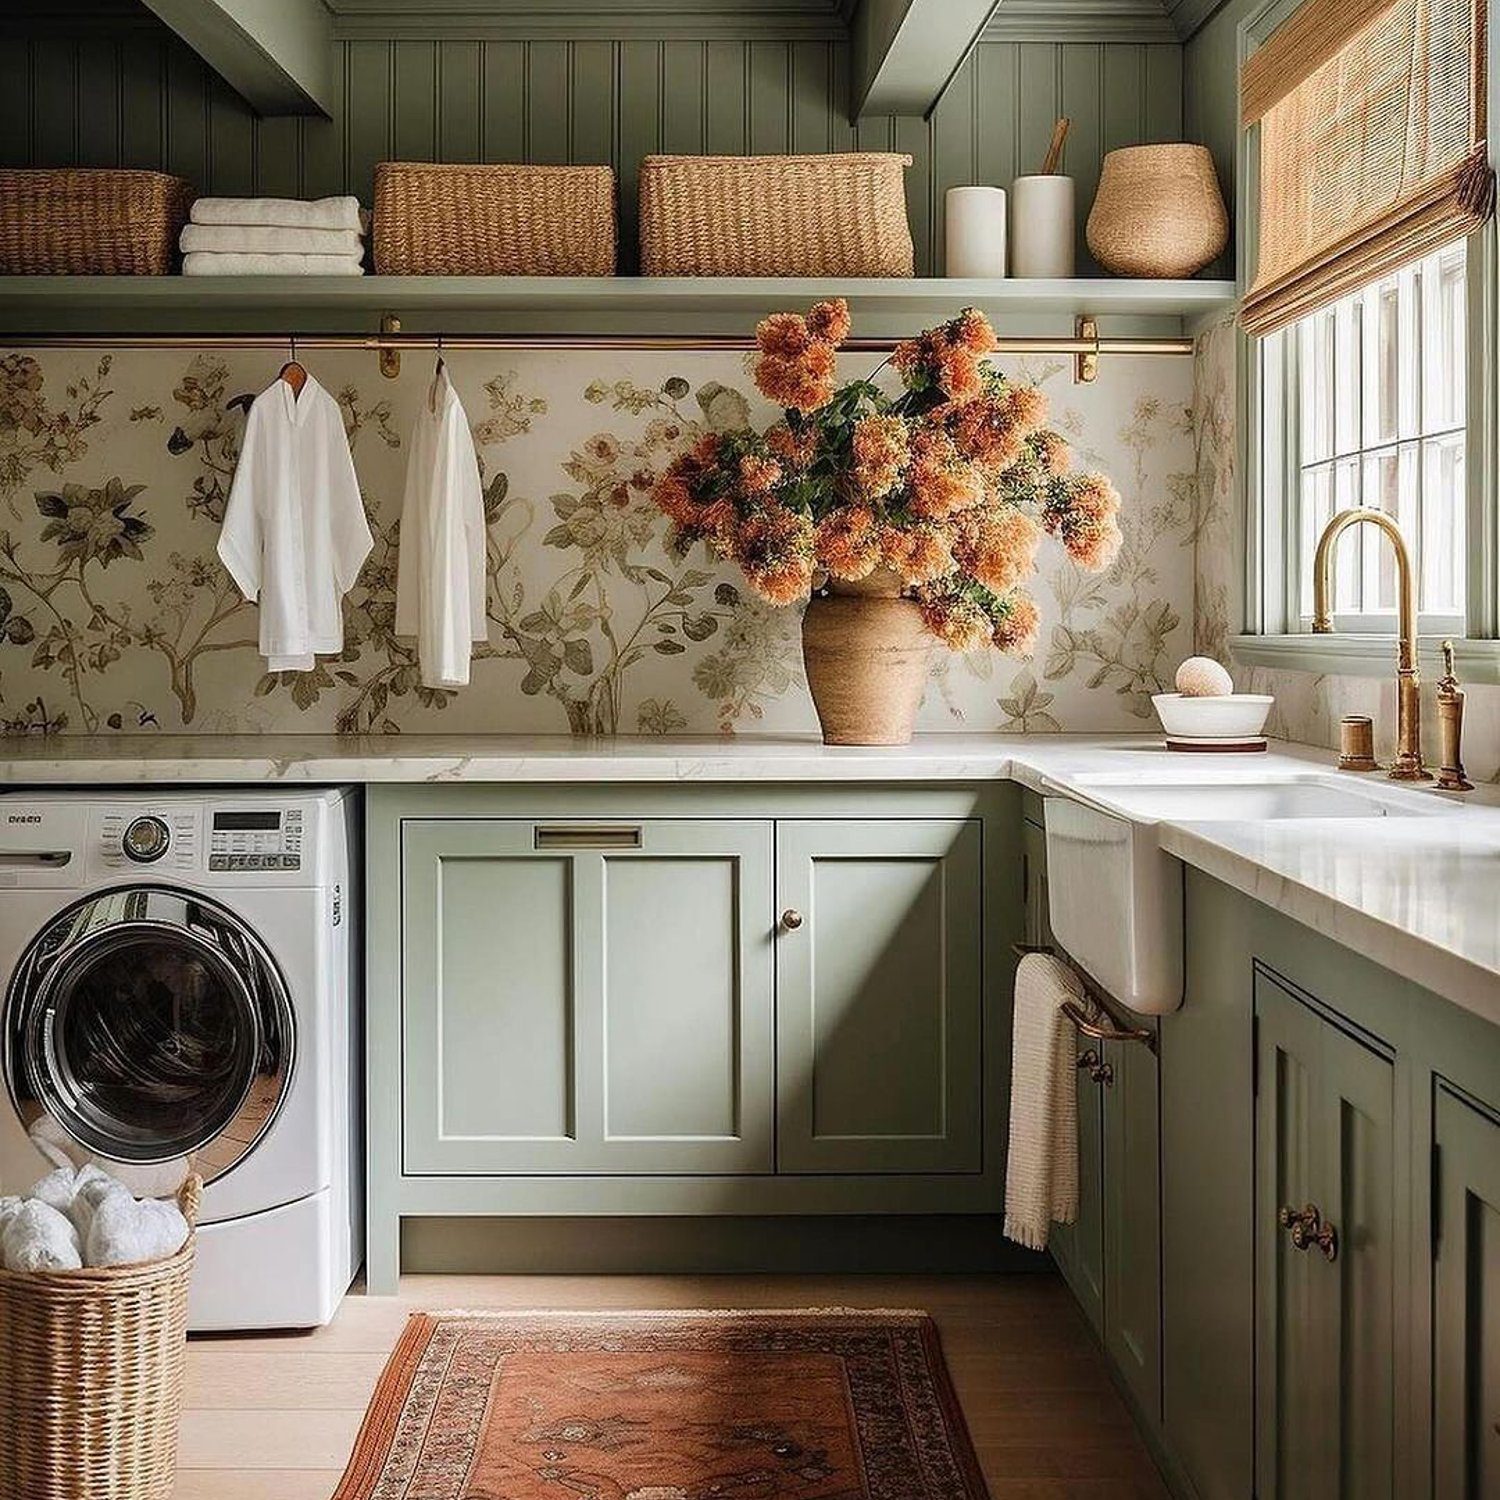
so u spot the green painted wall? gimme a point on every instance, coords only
(133, 95)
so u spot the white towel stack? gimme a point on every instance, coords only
(274, 237)
(85, 1218)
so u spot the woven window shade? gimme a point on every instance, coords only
(1372, 150)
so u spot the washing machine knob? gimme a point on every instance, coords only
(146, 839)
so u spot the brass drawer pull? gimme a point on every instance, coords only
(791, 919)
(587, 836)
(1307, 1228)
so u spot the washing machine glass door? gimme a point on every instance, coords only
(153, 1026)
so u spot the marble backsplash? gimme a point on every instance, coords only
(115, 615)
(1309, 705)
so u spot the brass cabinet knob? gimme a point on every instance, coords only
(1099, 1070)
(1307, 1228)
(791, 919)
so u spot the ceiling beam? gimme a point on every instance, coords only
(277, 54)
(905, 52)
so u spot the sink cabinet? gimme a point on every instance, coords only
(602, 1001)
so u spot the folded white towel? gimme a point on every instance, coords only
(38, 1238)
(56, 1189)
(291, 213)
(76, 1195)
(8, 1206)
(210, 263)
(270, 239)
(124, 1231)
(1041, 1170)
(150, 1180)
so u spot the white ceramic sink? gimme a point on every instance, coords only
(1115, 899)
(1250, 802)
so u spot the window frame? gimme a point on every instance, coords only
(1269, 415)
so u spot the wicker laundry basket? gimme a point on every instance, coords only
(842, 214)
(83, 222)
(91, 1370)
(441, 220)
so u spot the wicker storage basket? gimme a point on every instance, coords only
(76, 222)
(834, 215)
(91, 1367)
(440, 220)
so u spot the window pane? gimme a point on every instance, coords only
(1381, 393)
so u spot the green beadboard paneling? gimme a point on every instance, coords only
(142, 98)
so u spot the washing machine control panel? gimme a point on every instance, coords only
(165, 837)
(261, 838)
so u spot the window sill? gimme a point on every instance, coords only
(1365, 655)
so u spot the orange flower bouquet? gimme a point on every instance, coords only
(935, 499)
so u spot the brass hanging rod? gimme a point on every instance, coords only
(402, 342)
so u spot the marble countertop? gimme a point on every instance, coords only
(1419, 895)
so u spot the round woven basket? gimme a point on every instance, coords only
(91, 1370)
(1158, 212)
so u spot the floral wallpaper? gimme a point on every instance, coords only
(1309, 705)
(116, 616)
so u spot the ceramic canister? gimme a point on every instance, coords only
(974, 229)
(1042, 229)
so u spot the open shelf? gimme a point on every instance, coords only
(622, 305)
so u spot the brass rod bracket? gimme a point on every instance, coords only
(1086, 365)
(390, 359)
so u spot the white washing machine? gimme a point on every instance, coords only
(180, 975)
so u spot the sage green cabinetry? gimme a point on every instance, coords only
(1466, 1299)
(587, 998)
(1326, 1254)
(878, 995)
(674, 1001)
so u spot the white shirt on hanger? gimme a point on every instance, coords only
(294, 532)
(441, 573)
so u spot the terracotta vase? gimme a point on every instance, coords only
(867, 655)
(1158, 212)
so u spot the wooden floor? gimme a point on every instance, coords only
(274, 1417)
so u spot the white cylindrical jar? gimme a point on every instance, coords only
(1042, 230)
(974, 229)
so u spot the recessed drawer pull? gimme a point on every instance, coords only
(587, 836)
(53, 858)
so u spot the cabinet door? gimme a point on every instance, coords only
(879, 996)
(1466, 1289)
(579, 998)
(1132, 1220)
(1325, 1351)
(1078, 1248)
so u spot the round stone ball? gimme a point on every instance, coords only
(1203, 677)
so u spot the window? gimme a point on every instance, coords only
(1378, 419)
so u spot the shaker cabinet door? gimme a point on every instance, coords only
(586, 998)
(879, 996)
(1078, 1248)
(1325, 1261)
(1466, 1291)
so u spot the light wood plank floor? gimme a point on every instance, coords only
(274, 1418)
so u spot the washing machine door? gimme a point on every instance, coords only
(153, 1027)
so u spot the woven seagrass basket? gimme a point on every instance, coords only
(91, 1371)
(842, 214)
(435, 219)
(88, 222)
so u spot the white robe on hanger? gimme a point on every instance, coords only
(294, 533)
(441, 573)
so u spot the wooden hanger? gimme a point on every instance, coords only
(293, 373)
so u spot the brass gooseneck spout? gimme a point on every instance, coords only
(1408, 763)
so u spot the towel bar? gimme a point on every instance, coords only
(1100, 1031)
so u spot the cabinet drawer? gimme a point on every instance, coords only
(586, 996)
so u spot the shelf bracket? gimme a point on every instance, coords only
(390, 359)
(1086, 364)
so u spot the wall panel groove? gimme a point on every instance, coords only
(141, 98)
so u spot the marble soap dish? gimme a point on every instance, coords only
(1226, 722)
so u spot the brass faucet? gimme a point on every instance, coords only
(1408, 763)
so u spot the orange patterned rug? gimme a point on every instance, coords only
(665, 1406)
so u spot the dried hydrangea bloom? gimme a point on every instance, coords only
(1015, 624)
(881, 451)
(848, 544)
